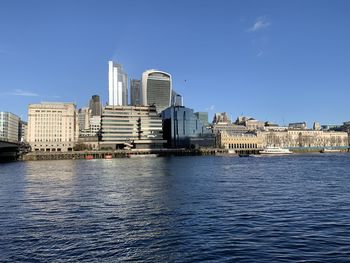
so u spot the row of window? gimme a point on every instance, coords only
(242, 145)
(52, 140)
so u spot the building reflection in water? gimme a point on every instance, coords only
(120, 201)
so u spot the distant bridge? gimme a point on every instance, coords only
(9, 151)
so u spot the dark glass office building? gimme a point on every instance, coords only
(95, 106)
(183, 129)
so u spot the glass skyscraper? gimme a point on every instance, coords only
(117, 85)
(95, 106)
(156, 89)
(135, 92)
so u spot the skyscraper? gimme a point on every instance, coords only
(135, 92)
(95, 106)
(176, 99)
(117, 85)
(156, 89)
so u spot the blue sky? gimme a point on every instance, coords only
(283, 61)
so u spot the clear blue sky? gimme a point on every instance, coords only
(282, 61)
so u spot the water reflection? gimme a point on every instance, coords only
(176, 209)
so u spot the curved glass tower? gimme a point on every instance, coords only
(156, 89)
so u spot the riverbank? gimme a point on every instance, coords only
(76, 155)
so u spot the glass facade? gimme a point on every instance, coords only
(156, 89)
(135, 92)
(182, 129)
(9, 127)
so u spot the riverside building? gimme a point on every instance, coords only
(240, 142)
(125, 127)
(156, 89)
(9, 127)
(117, 85)
(183, 129)
(293, 138)
(52, 126)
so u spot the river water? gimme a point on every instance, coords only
(177, 209)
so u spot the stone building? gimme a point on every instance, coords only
(297, 125)
(304, 138)
(221, 117)
(240, 141)
(52, 126)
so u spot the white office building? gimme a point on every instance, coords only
(9, 127)
(117, 85)
(52, 126)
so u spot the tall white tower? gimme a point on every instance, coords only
(117, 85)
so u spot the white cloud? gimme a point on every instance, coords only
(260, 53)
(210, 108)
(19, 92)
(260, 23)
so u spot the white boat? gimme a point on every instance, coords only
(142, 155)
(325, 150)
(275, 150)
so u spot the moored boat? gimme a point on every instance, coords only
(326, 150)
(142, 155)
(89, 157)
(275, 151)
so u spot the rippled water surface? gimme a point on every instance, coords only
(179, 209)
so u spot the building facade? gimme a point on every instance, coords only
(22, 131)
(304, 138)
(95, 125)
(135, 92)
(240, 142)
(117, 85)
(84, 115)
(125, 127)
(221, 117)
(229, 127)
(9, 127)
(176, 99)
(297, 126)
(203, 117)
(95, 106)
(183, 129)
(156, 89)
(52, 127)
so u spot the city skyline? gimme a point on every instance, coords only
(282, 62)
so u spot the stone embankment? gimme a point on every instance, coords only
(75, 155)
